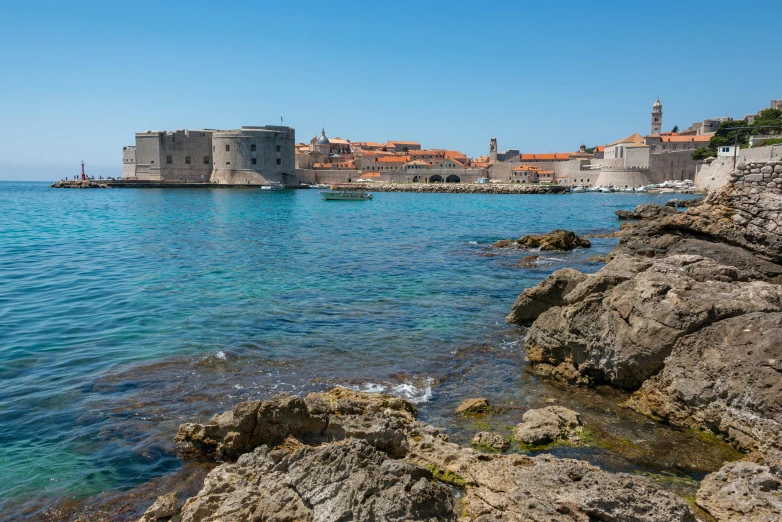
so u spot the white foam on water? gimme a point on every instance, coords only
(472, 242)
(406, 390)
(221, 355)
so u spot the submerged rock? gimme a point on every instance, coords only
(742, 492)
(348, 473)
(473, 407)
(528, 261)
(546, 425)
(555, 240)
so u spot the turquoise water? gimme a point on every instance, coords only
(126, 312)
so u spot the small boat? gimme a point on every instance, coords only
(273, 185)
(578, 188)
(483, 180)
(346, 195)
(607, 189)
(667, 191)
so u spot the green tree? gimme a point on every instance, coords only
(703, 153)
(726, 134)
(768, 117)
(675, 128)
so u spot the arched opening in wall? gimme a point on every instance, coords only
(453, 178)
(436, 179)
(349, 180)
(415, 179)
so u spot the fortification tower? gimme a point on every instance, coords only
(657, 117)
(493, 149)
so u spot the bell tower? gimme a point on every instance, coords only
(493, 149)
(657, 117)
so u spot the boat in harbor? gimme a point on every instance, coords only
(273, 185)
(346, 193)
(578, 188)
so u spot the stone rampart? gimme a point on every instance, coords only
(759, 175)
(623, 177)
(715, 173)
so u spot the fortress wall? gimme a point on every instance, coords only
(608, 162)
(637, 157)
(148, 155)
(677, 165)
(713, 175)
(759, 175)
(327, 176)
(623, 178)
(273, 159)
(128, 162)
(180, 146)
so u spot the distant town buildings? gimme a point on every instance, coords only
(256, 155)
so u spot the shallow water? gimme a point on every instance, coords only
(126, 312)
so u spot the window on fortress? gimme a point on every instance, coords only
(169, 159)
(254, 160)
(227, 148)
(187, 159)
(252, 148)
(279, 161)
(227, 162)
(278, 148)
(206, 160)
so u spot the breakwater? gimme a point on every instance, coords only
(468, 188)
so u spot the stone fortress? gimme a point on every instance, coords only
(250, 155)
(269, 154)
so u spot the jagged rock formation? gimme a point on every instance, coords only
(489, 440)
(688, 312)
(355, 456)
(742, 492)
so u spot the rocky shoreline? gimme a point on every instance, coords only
(468, 188)
(87, 183)
(685, 316)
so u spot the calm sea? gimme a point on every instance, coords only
(126, 312)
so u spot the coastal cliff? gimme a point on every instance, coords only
(686, 314)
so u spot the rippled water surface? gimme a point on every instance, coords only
(126, 312)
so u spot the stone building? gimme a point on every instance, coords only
(181, 155)
(254, 155)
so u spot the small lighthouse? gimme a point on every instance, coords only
(83, 176)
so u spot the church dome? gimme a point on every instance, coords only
(323, 140)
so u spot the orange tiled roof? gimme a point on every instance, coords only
(396, 142)
(321, 165)
(454, 154)
(600, 148)
(392, 159)
(526, 167)
(633, 138)
(541, 157)
(685, 139)
(371, 175)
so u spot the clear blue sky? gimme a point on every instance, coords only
(78, 79)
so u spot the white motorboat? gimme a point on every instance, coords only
(273, 185)
(346, 195)
(578, 189)
(607, 189)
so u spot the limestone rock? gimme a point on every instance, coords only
(551, 292)
(742, 492)
(727, 378)
(625, 214)
(474, 406)
(165, 507)
(347, 478)
(555, 240)
(546, 424)
(346, 481)
(621, 335)
(493, 441)
(528, 261)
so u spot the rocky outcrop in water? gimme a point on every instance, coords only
(345, 455)
(78, 184)
(547, 425)
(688, 309)
(555, 240)
(646, 211)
